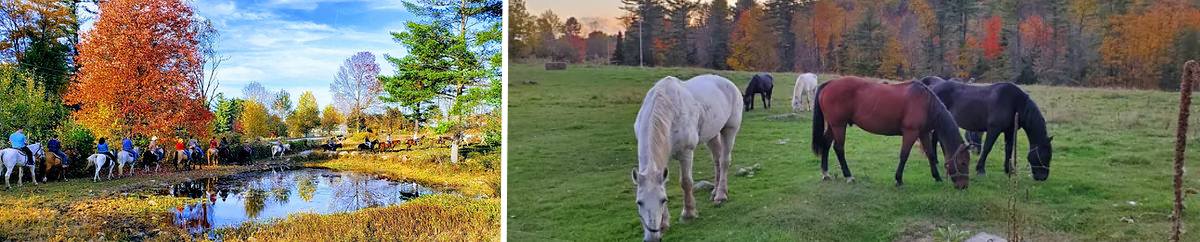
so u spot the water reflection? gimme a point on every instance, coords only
(262, 196)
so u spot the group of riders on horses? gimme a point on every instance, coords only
(18, 140)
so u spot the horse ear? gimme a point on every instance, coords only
(634, 175)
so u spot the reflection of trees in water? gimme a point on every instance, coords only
(280, 187)
(254, 199)
(306, 185)
(353, 191)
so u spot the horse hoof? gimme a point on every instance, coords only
(981, 173)
(899, 184)
(719, 199)
(688, 216)
(849, 179)
(826, 178)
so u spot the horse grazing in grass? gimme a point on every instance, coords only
(907, 109)
(13, 158)
(991, 109)
(804, 92)
(675, 117)
(761, 84)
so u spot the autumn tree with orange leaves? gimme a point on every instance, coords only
(752, 45)
(1138, 47)
(138, 71)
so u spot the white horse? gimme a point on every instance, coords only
(675, 117)
(279, 149)
(805, 92)
(124, 157)
(100, 160)
(13, 158)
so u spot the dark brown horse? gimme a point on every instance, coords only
(907, 109)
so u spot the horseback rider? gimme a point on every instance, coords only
(55, 148)
(194, 146)
(179, 149)
(17, 140)
(212, 144)
(102, 148)
(127, 146)
(154, 149)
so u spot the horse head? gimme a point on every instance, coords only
(652, 203)
(958, 166)
(1039, 159)
(36, 149)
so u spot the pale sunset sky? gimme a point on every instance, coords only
(593, 14)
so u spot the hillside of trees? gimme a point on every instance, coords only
(1122, 43)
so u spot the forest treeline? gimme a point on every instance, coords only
(1121, 43)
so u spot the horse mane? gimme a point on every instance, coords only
(659, 109)
(1033, 122)
(940, 119)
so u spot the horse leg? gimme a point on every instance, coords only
(1009, 144)
(721, 189)
(910, 137)
(96, 177)
(812, 98)
(685, 182)
(33, 175)
(987, 148)
(929, 144)
(20, 175)
(765, 96)
(839, 145)
(7, 174)
(825, 156)
(110, 169)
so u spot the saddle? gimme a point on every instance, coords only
(22, 153)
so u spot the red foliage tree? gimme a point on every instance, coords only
(138, 69)
(991, 37)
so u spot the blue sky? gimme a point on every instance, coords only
(299, 45)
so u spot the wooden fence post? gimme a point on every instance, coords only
(1191, 72)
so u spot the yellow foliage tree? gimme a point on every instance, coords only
(752, 45)
(330, 118)
(894, 64)
(255, 121)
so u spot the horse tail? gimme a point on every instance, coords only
(820, 143)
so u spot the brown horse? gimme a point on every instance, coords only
(52, 162)
(907, 109)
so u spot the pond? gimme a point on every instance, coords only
(267, 195)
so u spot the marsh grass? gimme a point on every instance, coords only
(572, 145)
(477, 175)
(429, 218)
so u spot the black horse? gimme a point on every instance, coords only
(990, 108)
(761, 84)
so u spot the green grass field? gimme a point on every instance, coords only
(572, 146)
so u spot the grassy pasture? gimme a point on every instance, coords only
(572, 147)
